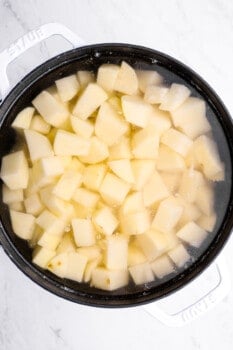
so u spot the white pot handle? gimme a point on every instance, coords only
(26, 42)
(201, 305)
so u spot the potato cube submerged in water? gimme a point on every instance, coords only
(112, 179)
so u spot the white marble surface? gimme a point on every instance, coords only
(199, 33)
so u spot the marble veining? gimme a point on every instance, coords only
(199, 33)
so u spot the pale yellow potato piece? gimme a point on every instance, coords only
(76, 264)
(109, 126)
(38, 145)
(159, 120)
(205, 199)
(83, 128)
(107, 75)
(92, 252)
(15, 171)
(133, 203)
(98, 151)
(67, 244)
(191, 212)
(190, 117)
(67, 87)
(67, 184)
(105, 279)
(116, 254)
(153, 243)
(39, 124)
(85, 77)
(51, 223)
(86, 197)
(162, 266)
(141, 273)
(11, 196)
(91, 98)
(105, 221)
(177, 141)
(23, 224)
(179, 255)
(121, 150)
(207, 222)
(169, 161)
(145, 144)
(135, 255)
(190, 183)
(171, 180)
(147, 78)
(136, 110)
(33, 204)
(175, 97)
(70, 144)
(114, 190)
(17, 206)
(154, 190)
(135, 223)
(84, 232)
(42, 256)
(58, 264)
(154, 94)
(51, 109)
(123, 169)
(192, 234)
(142, 170)
(168, 214)
(23, 118)
(126, 81)
(49, 241)
(91, 265)
(93, 176)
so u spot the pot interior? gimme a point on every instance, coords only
(90, 58)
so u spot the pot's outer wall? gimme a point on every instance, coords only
(89, 58)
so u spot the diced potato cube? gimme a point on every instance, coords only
(175, 97)
(190, 117)
(14, 170)
(58, 264)
(168, 160)
(141, 273)
(167, 215)
(67, 244)
(50, 223)
(105, 221)
(76, 264)
(177, 141)
(52, 110)
(76, 165)
(69, 144)
(171, 180)
(10, 196)
(83, 128)
(147, 78)
(107, 75)
(136, 110)
(172, 239)
(192, 234)
(109, 126)
(23, 118)
(116, 254)
(98, 151)
(133, 203)
(92, 252)
(85, 77)
(154, 190)
(153, 243)
(42, 256)
(109, 279)
(155, 94)
(92, 97)
(23, 224)
(39, 124)
(205, 199)
(135, 255)
(49, 241)
(37, 233)
(159, 120)
(191, 160)
(114, 190)
(190, 211)
(17, 206)
(67, 184)
(85, 197)
(33, 204)
(82, 212)
(67, 87)
(135, 223)
(142, 170)
(162, 266)
(38, 145)
(190, 183)
(179, 255)
(93, 176)
(145, 144)
(84, 232)
(115, 102)
(121, 150)
(123, 169)
(126, 81)
(51, 166)
(91, 265)
(206, 153)
(207, 222)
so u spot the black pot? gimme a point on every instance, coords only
(89, 58)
